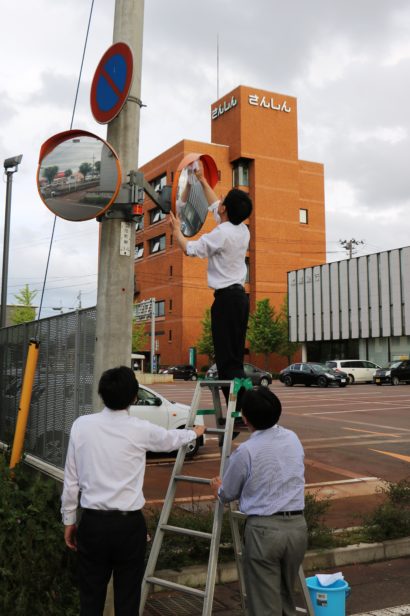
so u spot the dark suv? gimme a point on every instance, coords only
(181, 371)
(393, 373)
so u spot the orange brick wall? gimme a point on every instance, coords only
(279, 185)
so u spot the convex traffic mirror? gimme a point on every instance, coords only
(188, 197)
(79, 175)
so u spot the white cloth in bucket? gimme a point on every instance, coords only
(326, 579)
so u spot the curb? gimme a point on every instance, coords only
(314, 560)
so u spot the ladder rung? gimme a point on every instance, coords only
(205, 412)
(174, 586)
(215, 431)
(186, 531)
(216, 384)
(191, 479)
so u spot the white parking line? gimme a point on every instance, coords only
(399, 610)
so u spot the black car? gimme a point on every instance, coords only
(257, 376)
(308, 374)
(181, 371)
(394, 373)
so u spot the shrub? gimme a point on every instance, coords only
(36, 569)
(319, 535)
(391, 519)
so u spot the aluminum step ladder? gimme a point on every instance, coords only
(235, 517)
(224, 429)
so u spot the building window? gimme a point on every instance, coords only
(170, 335)
(160, 308)
(157, 244)
(240, 172)
(156, 215)
(139, 251)
(303, 217)
(247, 269)
(140, 224)
(159, 182)
(170, 271)
(170, 305)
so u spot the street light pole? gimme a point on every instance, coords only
(10, 167)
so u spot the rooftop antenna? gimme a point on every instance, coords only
(217, 66)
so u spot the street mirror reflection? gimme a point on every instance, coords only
(78, 176)
(189, 200)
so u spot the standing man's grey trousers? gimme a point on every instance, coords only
(273, 552)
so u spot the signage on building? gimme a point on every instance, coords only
(268, 103)
(224, 107)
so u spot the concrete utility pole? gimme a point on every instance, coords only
(350, 245)
(116, 271)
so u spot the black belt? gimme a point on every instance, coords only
(288, 514)
(112, 512)
(232, 287)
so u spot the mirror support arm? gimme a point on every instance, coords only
(132, 194)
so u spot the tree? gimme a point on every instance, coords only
(139, 336)
(286, 348)
(85, 168)
(24, 311)
(264, 330)
(68, 173)
(49, 173)
(205, 345)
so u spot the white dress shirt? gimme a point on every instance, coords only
(225, 248)
(106, 460)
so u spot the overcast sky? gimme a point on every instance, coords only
(346, 61)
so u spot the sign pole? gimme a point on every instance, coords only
(115, 292)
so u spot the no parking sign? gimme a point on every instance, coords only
(111, 83)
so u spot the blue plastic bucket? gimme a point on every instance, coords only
(328, 600)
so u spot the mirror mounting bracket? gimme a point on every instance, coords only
(131, 195)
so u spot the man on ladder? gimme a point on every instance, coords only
(266, 475)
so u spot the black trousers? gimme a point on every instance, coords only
(229, 320)
(108, 545)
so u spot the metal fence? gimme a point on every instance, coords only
(63, 382)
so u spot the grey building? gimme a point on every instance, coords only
(357, 307)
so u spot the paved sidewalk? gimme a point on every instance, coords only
(377, 589)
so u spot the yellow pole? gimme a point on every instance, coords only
(25, 399)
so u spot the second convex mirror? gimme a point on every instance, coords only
(79, 175)
(189, 200)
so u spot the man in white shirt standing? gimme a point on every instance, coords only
(225, 248)
(106, 464)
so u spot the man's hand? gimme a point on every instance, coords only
(199, 430)
(175, 224)
(70, 536)
(215, 484)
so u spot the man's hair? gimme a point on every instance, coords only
(118, 388)
(261, 407)
(238, 206)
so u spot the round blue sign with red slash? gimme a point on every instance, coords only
(111, 83)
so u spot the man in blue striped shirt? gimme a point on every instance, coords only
(266, 475)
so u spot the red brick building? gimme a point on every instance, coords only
(254, 142)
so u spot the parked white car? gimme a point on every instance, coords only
(162, 412)
(358, 370)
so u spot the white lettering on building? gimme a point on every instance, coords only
(223, 108)
(268, 103)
